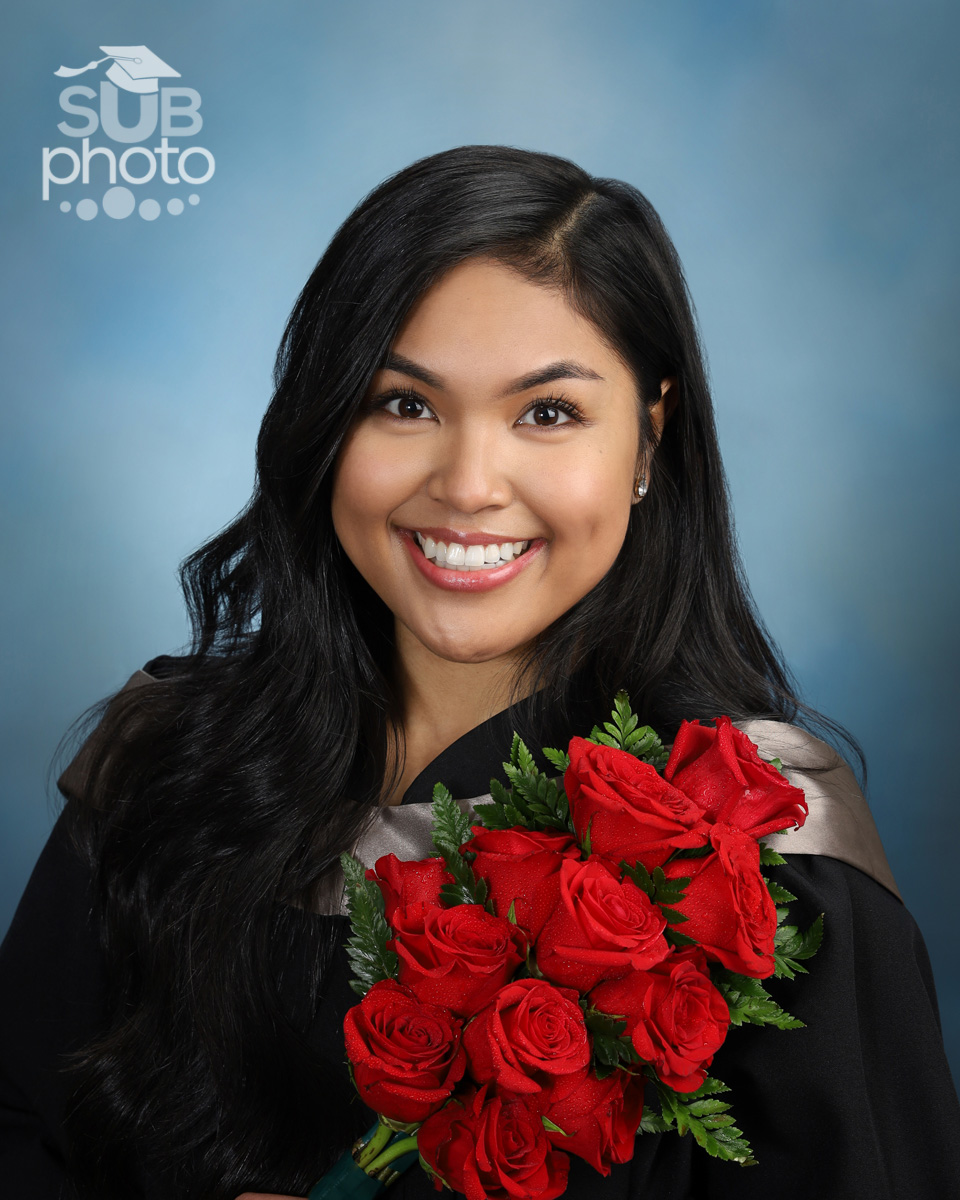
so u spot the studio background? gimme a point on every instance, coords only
(803, 158)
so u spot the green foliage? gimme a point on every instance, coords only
(693, 852)
(653, 1122)
(451, 828)
(367, 950)
(431, 1174)
(770, 858)
(533, 801)
(778, 894)
(530, 966)
(451, 825)
(624, 732)
(549, 1125)
(790, 946)
(502, 813)
(612, 1048)
(665, 893)
(662, 891)
(557, 758)
(678, 939)
(640, 876)
(709, 1120)
(750, 1003)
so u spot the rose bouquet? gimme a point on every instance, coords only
(557, 978)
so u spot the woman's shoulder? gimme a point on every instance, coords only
(72, 782)
(795, 746)
(839, 823)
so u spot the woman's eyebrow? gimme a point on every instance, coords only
(563, 369)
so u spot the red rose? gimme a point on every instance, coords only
(632, 812)
(727, 905)
(406, 884)
(492, 1148)
(406, 1056)
(603, 928)
(599, 1116)
(457, 957)
(676, 1018)
(722, 771)
(528, 1034)
(521, 866)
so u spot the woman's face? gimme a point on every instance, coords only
(462, 457)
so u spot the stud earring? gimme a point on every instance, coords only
(641, 488)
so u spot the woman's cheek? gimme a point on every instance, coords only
(588, 491)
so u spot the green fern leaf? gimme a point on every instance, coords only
(451, 829)
(709, 1122)
(557, 758)
(366, 948)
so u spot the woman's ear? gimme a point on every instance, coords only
(662, 411)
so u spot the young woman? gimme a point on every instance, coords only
(489, 494)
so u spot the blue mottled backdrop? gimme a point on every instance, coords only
(804, 159)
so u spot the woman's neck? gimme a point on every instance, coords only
(441, 701)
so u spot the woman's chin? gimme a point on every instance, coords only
(472, 649)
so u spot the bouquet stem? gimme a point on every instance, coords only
(376, 1160)
(381, 1135)
(396, 1150)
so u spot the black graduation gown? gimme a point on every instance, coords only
(859, 1104)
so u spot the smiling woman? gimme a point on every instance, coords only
(489, 494)
(483, 506)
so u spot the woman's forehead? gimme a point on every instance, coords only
(485, 321)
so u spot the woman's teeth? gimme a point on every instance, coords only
(457, 557)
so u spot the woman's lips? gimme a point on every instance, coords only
(469, 581)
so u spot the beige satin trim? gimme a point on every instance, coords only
(401, 829)
(73, 780)
(839, 824)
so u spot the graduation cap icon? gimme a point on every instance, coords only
(134, 68)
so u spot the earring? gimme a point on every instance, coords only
(641, 488)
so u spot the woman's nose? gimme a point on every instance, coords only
(470, 471)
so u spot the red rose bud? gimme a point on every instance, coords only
(457, 957)
(405, 884)
(676, 1018)
(492, 1148)
(727, 905)
(600, 1117)
(530, 1033)
(521, 866)
(604, 927)
(406, 1056)
(721, 770)
(631, 811)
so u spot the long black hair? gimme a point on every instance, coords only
(223, 794)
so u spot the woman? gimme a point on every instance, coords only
(488, 495)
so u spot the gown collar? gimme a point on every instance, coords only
(468, 764)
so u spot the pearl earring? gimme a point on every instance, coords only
(641, 488)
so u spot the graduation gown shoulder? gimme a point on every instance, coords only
(858, 1104)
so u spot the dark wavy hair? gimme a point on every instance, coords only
(225, 792)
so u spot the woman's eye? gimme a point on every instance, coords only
(407, 408)
(545, 415)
